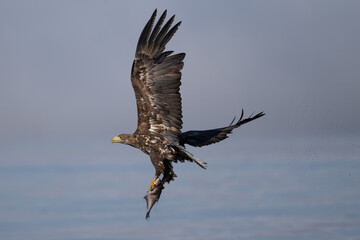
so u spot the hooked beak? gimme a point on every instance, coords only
(116, 140)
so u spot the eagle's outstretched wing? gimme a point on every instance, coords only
(155, 77)
(207, 137)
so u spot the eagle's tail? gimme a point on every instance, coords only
(183, 154)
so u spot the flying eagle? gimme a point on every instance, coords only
(155, 77)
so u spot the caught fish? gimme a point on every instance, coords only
(153, 195)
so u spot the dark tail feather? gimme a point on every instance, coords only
(182, 155)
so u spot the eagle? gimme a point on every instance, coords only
(155, 78)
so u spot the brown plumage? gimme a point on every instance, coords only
(155, 77)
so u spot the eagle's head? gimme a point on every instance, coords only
(120, 138)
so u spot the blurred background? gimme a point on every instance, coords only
(65, 91)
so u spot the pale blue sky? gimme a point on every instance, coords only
(65, 66)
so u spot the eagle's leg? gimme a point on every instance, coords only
(157, 162)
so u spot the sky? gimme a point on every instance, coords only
(65, 91)
(65, 66)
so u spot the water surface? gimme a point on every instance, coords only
(268, 189)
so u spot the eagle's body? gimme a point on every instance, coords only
(155, 77)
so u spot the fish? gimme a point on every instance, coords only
(153, 195)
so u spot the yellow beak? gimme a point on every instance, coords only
(116, 140)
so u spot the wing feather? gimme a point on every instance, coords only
(207, 137)
(155, 78)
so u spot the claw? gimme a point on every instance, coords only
(152, 184)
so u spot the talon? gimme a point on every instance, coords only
(152, 184)
(157, 181)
